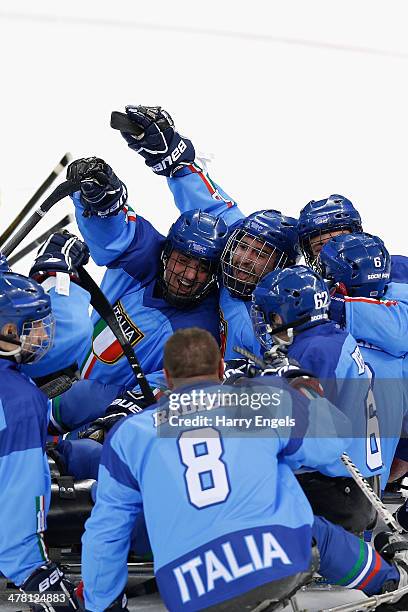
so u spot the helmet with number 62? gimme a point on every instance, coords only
(287, 300)
(359, 261)
(26, 322)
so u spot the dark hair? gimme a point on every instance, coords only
(191, 352)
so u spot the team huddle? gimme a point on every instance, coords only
(237, 503)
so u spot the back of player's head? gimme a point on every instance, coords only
(265, 240)
(194, 244)
(26, 321)
(318, 219)
(288, 300)
(360, 261)
(191, 352)
(4, 267)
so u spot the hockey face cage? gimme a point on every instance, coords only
(186, 280)
(245, 260)
(36, 339)
(266, 333)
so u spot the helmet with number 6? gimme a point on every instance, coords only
(295, 298)
(359, 261)
(26, 322)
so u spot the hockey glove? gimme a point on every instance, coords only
(62, 252)
(131, 402)
(235, 369)
(102, 193)
(164, 150)
(53, 591)
(337, 308)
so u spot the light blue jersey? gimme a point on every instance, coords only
(223, 510)
(391, 401)
(73, 329)
(332, 355)
(383, 323)
(24, 473)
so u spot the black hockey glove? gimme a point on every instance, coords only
(278, 362)
(62, 252)
(103, 194)
(50, 590)
(235, 369)
(130, 402)
(164, 150)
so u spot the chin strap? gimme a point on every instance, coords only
(16, 353)
(10, 340)
(288, 326)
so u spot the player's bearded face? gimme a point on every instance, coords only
(184, 275)
(251, 259)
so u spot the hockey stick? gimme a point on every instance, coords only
(38, 241)
(105, 310)
(248, 355)
(34, 199)
(371, 495)
(371, 603)
(63, 190)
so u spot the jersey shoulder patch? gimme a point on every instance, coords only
(359, 360)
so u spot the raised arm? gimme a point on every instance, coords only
(113, 233)
(169, 154)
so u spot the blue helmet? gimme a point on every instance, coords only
(334, 214)
(198, 239)
(260, 243)
(359, 261)
(26, 321)
(298, 295)
(4, 267)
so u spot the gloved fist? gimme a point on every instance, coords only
(278, 362)
(49, 584)
(162, 147)
(130, 402)
(103, 194)
(62, 252)
(337, 308)
(235, 369)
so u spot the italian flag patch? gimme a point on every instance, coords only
(105, 346)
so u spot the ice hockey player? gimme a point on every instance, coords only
(361, 263)
(26, 334)
(258, 244)
(318, 222)
(56, 269)
(321, 220)
(155, 284)
(291, 309)
(240, 528)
